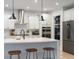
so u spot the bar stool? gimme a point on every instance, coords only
(31, 51)
(14, 52)
(48, 50)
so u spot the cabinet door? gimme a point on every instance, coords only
(72, 30)
(68, 30)
(68, 46)
(33, 22)
(64, 31)
(68, 37)
(8, 23)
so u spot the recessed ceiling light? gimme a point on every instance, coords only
(27, 7)
(57, 3)
(6, 5)
(36, 1)
(45, 9)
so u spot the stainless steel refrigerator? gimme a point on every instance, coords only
(68, 36)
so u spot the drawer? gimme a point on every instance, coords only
(68, 47)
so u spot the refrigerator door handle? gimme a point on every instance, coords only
(68, 30)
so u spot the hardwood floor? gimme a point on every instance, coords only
(65, 55)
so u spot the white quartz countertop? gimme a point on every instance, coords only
(29, 40)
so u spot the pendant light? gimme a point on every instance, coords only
(42, 18)
(13, 15)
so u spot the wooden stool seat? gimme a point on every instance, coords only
(48, 48)
(31, 50)
(15, 52)
(48, 51)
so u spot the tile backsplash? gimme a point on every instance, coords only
(18, 27)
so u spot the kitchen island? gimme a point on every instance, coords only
(22, 44)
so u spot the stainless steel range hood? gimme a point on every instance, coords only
(21, 16)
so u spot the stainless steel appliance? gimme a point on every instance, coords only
(68, 36)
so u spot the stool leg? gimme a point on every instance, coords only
(10, 56)
(33, 56)
(43, 54)
(50, 54)
(47, 54)
(26, 54)
(36, 56)
(29, 55)
(18, 56)
(53, 54)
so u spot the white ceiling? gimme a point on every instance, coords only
(50, 5)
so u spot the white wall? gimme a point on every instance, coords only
(9, 23)
(32, 18)
(69, 14)
(35, 20)
(29, 17)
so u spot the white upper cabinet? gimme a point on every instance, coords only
(9, 23)
(33, 22)
(26, 18)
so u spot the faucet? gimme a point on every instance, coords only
(22, 32)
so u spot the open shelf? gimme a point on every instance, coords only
(57, 27)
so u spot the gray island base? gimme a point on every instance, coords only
(39, 43)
